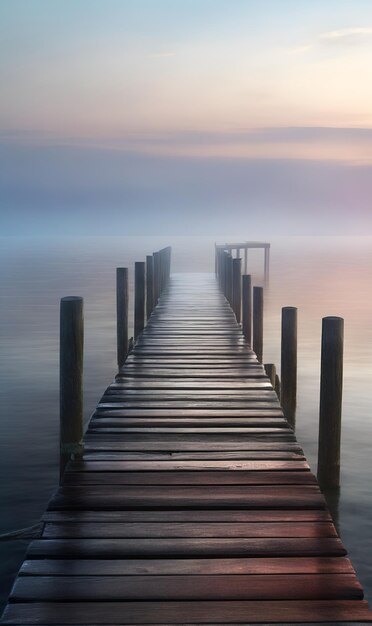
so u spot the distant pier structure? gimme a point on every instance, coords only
(230, 247)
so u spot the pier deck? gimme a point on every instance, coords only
(194, 503)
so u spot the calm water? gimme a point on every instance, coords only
(321, 276)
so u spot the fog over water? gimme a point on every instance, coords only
(321, 276)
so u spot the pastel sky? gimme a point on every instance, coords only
(205, 111)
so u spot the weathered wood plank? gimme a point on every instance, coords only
(177, 567)
(188, 612)
(117, 548)
(295, 516)
(221, 587)
(72, 530)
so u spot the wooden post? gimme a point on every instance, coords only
(245, 260)
(270, 370)
(330, 402)
(288, 367)
(267, 263)
(258, 322)
(139, 298)
(225, 272)
(229, 278)
(237, 288)
(161, 271)
(71, 380)
(122, 297)
(247, 307)
(149, 285)
(156, 278)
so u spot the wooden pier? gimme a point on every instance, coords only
(193, 502)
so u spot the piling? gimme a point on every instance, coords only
(122, 298)
(71, 379)
(149, 285)
(139, 298)
(156, 271)
(270, 370)
(247, 307)
(258, 322)
(289, 363)
(229, 278)
(330, 408)
(237, 288)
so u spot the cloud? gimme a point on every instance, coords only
(342, 37)
(347, 36)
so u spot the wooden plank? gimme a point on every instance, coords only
(221, 587)
(296, 516)
(117, 548)
(178, 413)
(72, 530)
(102, 420)
(177, 567)
(201, 496)
(102, 441)
(189, 478)
(209, 471)
(188, 612)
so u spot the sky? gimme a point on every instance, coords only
(186, 117)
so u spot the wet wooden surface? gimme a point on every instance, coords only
(194, 503)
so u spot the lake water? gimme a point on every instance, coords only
(321, 276)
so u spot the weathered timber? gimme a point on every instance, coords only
(122, 299)
(258, 322)
(139, 297)
(71, 379)
(288, 370)
(247, 307)
(149, 285)
(330, 402)
(237, 289)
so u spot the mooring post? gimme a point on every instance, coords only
(247, 307)
(122, 298)
(229, 278)
(225, 273)
(288, 366)
(156, 277)
(270, 370)
(71, 380)
(330, 402)
(161, 271)
(149, 285)
(267, 263)
(139, 298)
(237, 288)
(258, 322)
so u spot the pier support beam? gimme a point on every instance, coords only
(288, 367)
(258, 322)
(149, 285)
(330, 402)
(237, 288)
(156, 270)
(71, 379)
(139, 298)
(247, 307)
(122, 298)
